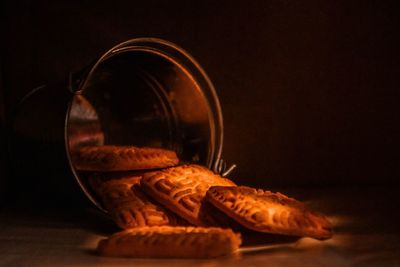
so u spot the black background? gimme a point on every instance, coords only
(309, 89)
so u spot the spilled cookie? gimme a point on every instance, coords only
(109, 158)
(182, 190)
(127, 205)
(269, 212)
(170, 242)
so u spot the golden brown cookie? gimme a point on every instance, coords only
(170, 242)
(122, 158)
(182, 190)
(127, 205)
(269, 212)
(101, 181)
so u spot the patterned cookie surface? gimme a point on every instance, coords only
(170, 242)
(127, 205)
(122, 158)
(269, 212)
(182, 189)
(102, 181)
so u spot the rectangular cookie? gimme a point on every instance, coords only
(127, 205)
(107, 158)
(170, 242)
(269, 212)
(182, 190)
(101, 182)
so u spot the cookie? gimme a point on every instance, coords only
(182, 189)
(170, 242)
(101, 181)
(127, 205)
(269, 212)
(122, 158)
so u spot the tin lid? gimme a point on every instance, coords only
(147, 92)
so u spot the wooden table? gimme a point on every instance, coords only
(366, 234)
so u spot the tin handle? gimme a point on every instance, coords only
(75, 78)
(222, 169)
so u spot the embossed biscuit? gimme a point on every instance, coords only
(269, 212)
(170, 242)
(122, 158)
(101, 181)
(127, 205)
(182, 190)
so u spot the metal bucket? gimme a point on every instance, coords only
(143, 92)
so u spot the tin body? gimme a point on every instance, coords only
(143, 92)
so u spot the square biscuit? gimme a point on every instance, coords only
(269, 212)
(127, 205)
(182, 190)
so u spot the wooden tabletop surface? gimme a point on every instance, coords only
(365, 223)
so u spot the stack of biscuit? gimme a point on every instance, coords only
(172, 210)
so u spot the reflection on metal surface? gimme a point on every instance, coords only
(265, 248)
(84, 125)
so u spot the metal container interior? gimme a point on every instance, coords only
(146, 92)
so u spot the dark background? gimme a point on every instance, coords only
(309, 89)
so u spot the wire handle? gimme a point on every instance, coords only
(222, 169)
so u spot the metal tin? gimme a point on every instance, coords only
(143, 92)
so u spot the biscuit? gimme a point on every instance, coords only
(182, 189)
(100, 182)
(269, 212)
(170, 242)
(127, 205)
(122, 158)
